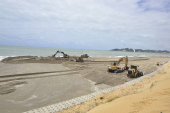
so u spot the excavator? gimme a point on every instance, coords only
(133, 72)
(114, 67)
(77, 59)
(64, 55)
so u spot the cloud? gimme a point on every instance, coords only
(87, 24)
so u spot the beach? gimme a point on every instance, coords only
(84, 56)
(28, 83)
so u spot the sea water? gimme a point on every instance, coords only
(8, 51)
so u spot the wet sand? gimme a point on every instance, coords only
(29, 84)
(25, 92)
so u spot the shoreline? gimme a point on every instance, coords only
(140, 56)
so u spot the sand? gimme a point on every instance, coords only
(96, 70)
(27, 84)
(154, 99)
(21, 91)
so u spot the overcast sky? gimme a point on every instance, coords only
(86, 24)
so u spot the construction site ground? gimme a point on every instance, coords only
(27, 84)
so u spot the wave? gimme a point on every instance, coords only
(119, 56)
(123, 56)
(2, 57)
(142, 56)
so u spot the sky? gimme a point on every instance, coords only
(86, 24)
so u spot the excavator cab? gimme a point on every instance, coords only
(133, 72)
(134, 67)
(113, 63)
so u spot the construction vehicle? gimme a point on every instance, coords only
(114, 67)
(133, 72)
(64, 55)
(79, 59)
(85, 56)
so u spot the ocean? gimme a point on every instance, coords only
(9, 51)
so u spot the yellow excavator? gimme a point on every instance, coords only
(133, 72)
(114, 67)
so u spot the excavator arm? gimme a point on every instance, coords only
(121, 59)
(126, 61)
(64, 55)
